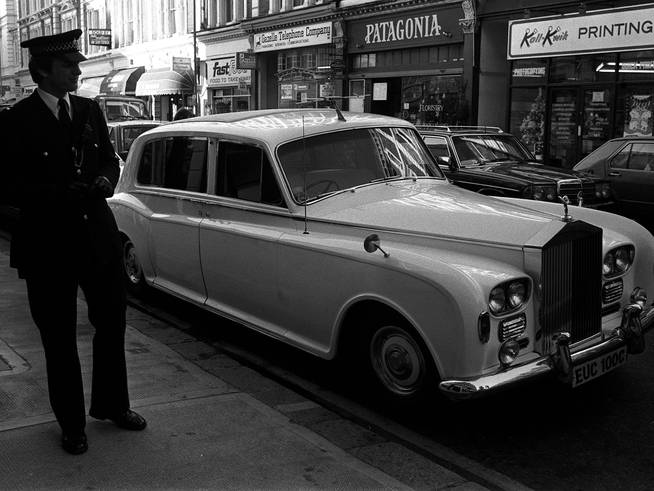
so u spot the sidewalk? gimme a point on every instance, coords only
(203, 432)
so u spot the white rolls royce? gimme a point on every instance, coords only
(338, 234)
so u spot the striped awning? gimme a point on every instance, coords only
(162, 81)
(122, 81)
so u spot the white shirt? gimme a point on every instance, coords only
(53, 102)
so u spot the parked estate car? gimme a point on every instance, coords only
(628, 164)
(489, 161)
(123, 133)
(338, 234)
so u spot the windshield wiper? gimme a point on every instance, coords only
(392, 178)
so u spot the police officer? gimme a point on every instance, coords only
(60, 169)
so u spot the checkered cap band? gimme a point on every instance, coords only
(53, 49)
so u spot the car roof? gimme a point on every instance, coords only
(468, 130)
(134, 122)
(279, 125)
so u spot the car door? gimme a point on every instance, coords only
(631, 172)
(172, 180)
(239, 237)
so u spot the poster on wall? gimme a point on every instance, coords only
(286, 92)
(379, 91)
(639, 120)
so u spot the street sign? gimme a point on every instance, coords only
(100, 37)
(246, 60)
(182, 64)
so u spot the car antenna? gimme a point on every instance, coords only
(338, 111)
(304, 161)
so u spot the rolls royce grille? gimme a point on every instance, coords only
(572, 283)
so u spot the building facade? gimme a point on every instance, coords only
(566, 76)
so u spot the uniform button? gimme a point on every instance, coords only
(79, 171)
(86, 217)
(45, 154)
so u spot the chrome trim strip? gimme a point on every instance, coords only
(460, 389)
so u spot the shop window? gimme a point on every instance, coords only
(431, 100)
(638, 65)
(366, 60)
(589, 68)
(528, 117)
(634, 111)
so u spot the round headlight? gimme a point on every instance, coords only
(508, 352)
(517, 293)
(497, 300)
(606, 190)
(539, 193)
(609, 264)
(550, 194)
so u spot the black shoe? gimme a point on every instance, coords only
(128, 419)
(74, 443)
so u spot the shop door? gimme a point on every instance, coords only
(579, 122)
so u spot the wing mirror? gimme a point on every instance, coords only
(372, 243)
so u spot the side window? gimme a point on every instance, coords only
(176, 163)
(621, 158)
(244, 172)
(112, 137)
(642, 157)
(438, 148)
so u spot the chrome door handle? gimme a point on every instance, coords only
(615, 174)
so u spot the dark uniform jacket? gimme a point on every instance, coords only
(64, 224)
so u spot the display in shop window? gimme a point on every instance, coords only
(434, 100)
(532, 128)
(639, 116)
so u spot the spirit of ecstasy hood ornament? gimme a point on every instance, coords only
(566, 201)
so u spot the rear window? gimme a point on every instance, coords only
(175, 163)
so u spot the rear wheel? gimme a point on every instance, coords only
(132, 269)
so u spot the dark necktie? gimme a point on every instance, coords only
(64, 117)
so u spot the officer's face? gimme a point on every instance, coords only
(63, 76)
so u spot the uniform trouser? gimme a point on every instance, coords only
(53, 303)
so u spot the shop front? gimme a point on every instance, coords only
(168, 89)
(303, 64)
(409, 64)
(581, 79)
(229, 87)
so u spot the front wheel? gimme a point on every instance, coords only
(400, 365)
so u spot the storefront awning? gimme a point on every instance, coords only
(121, 82)
(162, 81)
(90, 87)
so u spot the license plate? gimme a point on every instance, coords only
(591, 369)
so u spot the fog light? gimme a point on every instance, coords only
(508, 352)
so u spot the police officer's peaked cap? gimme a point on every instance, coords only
(64, 45)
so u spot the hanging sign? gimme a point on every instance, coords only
(100, 37)
(623, 29)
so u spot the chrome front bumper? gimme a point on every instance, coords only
(636, 320)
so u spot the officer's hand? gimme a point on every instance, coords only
(76, 191)
(101, 187)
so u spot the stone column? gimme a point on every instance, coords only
(470, 27)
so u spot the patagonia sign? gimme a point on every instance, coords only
(623, 29)
(420, 28)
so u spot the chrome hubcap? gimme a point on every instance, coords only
(397, 360)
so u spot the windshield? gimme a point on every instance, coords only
(120, 110)
(483, 149)
(322, 164)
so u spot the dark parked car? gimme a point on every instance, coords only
(628, 163)
(123, 133)
(489, 161)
